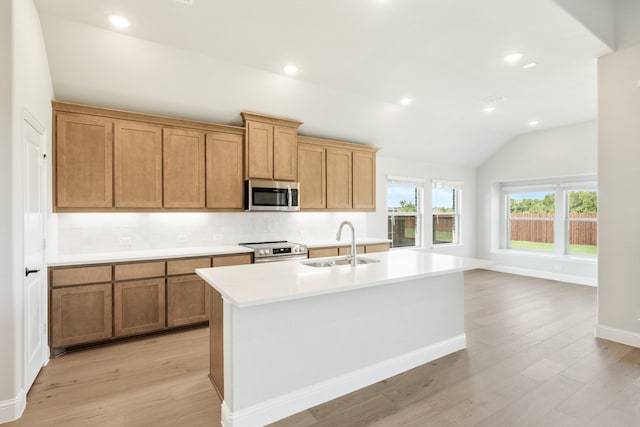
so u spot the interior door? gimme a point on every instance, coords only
(35, 330)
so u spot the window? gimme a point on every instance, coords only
(531, 219)
(446, 199)
(404, 210)
(559, 218)
(582, 221)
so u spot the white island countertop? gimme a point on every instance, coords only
(257, 284)
(143, 255)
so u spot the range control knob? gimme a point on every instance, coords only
(296, 249)
(261, 252)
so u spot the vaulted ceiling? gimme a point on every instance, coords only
(356, 59)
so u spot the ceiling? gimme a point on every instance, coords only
(356, 60)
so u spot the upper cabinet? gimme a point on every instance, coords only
(183, 166)
(224, 170)
(83, 161)
(108, 160)
(111, 160)
(137, 159)
(271, 147)
(336, 175)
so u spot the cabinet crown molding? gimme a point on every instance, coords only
(336, 144)
(263, 118)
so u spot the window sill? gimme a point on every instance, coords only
(447, 246)
(565, 257)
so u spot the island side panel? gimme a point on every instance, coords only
(216, 353)
(276, 350)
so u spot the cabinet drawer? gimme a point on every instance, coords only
(377, 247)
(139, 270)
(346, 250)
(240, 259)
(187, 266)
(323, 252)
(80, 275)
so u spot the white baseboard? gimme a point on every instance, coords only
(618, 335)
(12, 409)
(289, 404)
(541, 274)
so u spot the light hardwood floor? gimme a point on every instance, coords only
(531, 361)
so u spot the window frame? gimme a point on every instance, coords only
(561, 220)
(457, 187)
(418, 184)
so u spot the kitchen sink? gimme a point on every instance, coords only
(339, 261)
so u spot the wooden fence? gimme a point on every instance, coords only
(531, 230)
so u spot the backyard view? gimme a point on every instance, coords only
(532, 215)
(403, 215)
(445, 208)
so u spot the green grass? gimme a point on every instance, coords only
(548, 247)
(443, 236)
(583, 249)
(533, 246)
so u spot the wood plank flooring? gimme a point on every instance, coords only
(531, 360)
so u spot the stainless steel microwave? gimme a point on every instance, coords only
(263, 195)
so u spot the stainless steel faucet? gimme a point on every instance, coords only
(353, 240)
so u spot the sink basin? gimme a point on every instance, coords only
(338, 261)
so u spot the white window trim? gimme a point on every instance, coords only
(561, 219)
(419, 184)
(453, 185)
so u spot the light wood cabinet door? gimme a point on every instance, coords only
(339, 183)
(184, 168)
(224, 171)
(364, 180)
(312, 164)
(83, 161)
(187, 300)
(137, 165)
(138, 306)
(285, 153)
(259, 150)
(80, 314)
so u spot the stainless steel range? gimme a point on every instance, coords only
(276, 251)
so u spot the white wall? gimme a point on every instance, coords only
(425, 170)
(32, 92)
(8, 386)
(566, 151)
(619, 174)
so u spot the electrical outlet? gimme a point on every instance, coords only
(125, 241)
(218, 236)
(181, 238)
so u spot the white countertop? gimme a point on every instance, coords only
(108, 257)
(257, 284)
(346, 241)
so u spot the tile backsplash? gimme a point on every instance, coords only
(81, 233)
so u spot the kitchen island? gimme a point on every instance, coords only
(288, 336)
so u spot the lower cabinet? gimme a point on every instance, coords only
(138, 306)
(80, 314)
(93, 303)
(187, 300)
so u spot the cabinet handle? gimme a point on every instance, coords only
(28, 272)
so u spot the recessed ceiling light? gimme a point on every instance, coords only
(405, 101)
(489, 109)
(119, 21)
(513, 57)
(529, 65)
(533, 123)
(290, 70)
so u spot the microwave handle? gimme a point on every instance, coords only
(289, 197)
